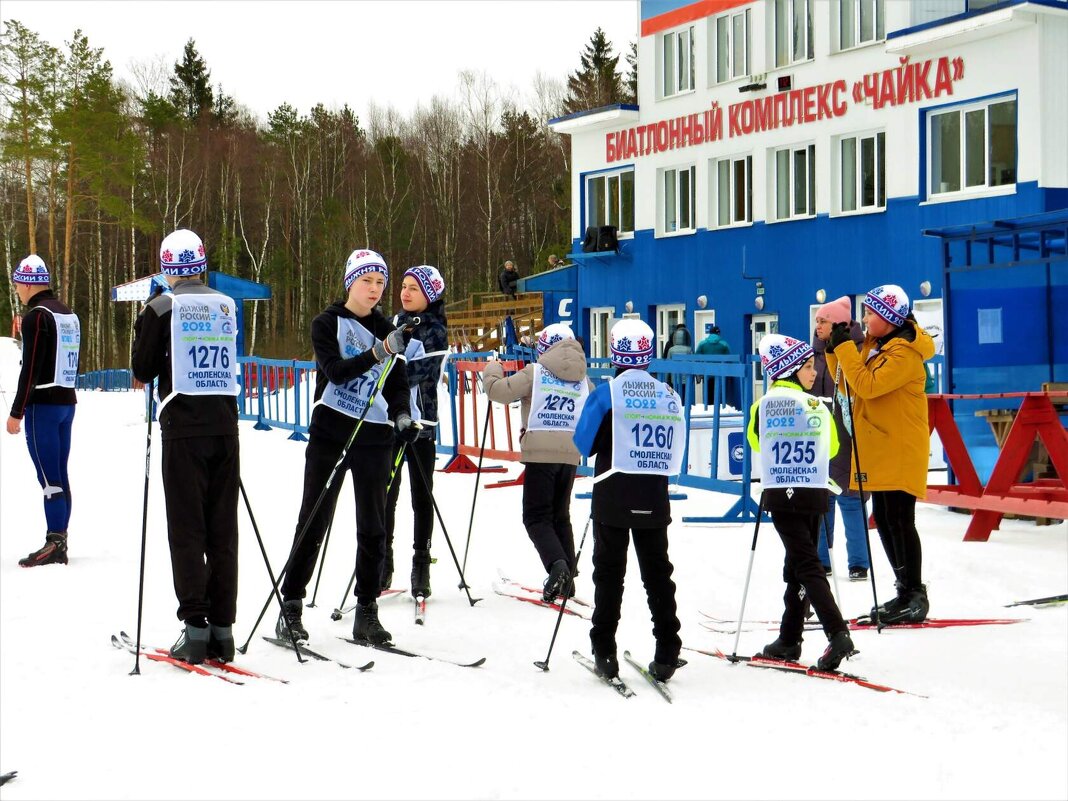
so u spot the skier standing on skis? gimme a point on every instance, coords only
(45, 399)
(634, 425)
(796, 437)
(357, 350)
(553, 391)
(188, 338)
(421, 298)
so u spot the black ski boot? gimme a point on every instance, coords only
(54, 551)
(558, 582)
(221, 643)
(892, 606)
(291, 615)
(192, 645)
(780, 649)
(607, 665)
(367, 627)
(662, 671)
(840, 646)
(912, 609)
(421, 574)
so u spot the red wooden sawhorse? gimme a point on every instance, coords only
(1003, 493)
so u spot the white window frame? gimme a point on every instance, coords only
(851, 13)
(669, 195)
(804, 43)
(668, 316)
(676, 62)
(613, 208)
(715, 197)
(979, 189)
(808, 149)
(735, 71)
(838, 173)
(601, 321)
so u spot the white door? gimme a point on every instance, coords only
(760, 326)
(667, 317)
(601, 320)
(702, 319)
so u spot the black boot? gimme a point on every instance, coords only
(607, 665)
(662, 671)
(893, 605)
(558, 582)
(780, 649)
(421, 574)
(367, 627)
(54, 551)
(192, 645)
(221, 643)
(912, 608)
(840, 646)
(387, 568)
(291, 615)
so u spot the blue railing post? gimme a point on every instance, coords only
(297, 433)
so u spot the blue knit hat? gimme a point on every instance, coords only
(31, 270)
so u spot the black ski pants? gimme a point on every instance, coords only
(547, 511)
(369, 467)
(895, 517)
(422, 500)
(804, 576)
(610, 546)
(201, 476)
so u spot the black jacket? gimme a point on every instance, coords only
(823, 387)
(39, 356)
(508, 280)
(184, 415)
(332, 367)
(426, 373)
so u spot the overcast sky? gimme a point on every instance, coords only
(399, 53)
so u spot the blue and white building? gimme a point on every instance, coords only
(783, 152)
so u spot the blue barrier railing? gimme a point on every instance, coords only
(276, 393)
(113, 380)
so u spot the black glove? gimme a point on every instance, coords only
(393, 343)
(839, 334)
(407, 429)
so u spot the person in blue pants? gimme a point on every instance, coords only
(45, 399)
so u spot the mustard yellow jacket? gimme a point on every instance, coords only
(885, 380)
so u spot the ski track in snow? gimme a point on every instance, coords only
(74, 724)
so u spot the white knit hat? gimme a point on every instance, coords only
(632, 344)
(782, 356)
(557, 332)
(361, 262)
(429, 280)
(31, 270)
(890, 302)
(182, 253)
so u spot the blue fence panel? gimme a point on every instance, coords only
(276, 393)
(112, 380)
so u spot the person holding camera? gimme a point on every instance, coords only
(360, 381)
(885, 381)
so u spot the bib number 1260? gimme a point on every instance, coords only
(649, 436)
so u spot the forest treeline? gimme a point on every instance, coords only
(95, 171)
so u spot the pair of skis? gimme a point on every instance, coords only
(618, 684)
(509, 588)
(861, 623)
(225, 671)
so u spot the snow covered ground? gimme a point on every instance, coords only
(75, 724)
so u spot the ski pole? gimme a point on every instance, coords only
(322, 563)
(478, 480)
(339, 610)
(745, 591)
(144, 532)
(445, 531)
(322, 495)
(270, 573)
(863, 508)
(563, 604)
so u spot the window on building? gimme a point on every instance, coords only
(973, 147)
(863, 172)
(601, 320)
(730, 34)
(610, 200)
(676, 65)
(792, 31)
(679, 187)
(860, 22)
(795, 182)
(732, 190)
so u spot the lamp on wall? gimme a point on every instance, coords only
(702, 301)
(925, 288)
(821, 295)
(759, 302)
(629, 306)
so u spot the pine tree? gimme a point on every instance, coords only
(191, 84)
(597, 82)
(632, 73)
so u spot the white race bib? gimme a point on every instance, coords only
(203, 345)
(795, 440)
(648, 429)
(555, 404)
(68, 343)
(352, 397)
